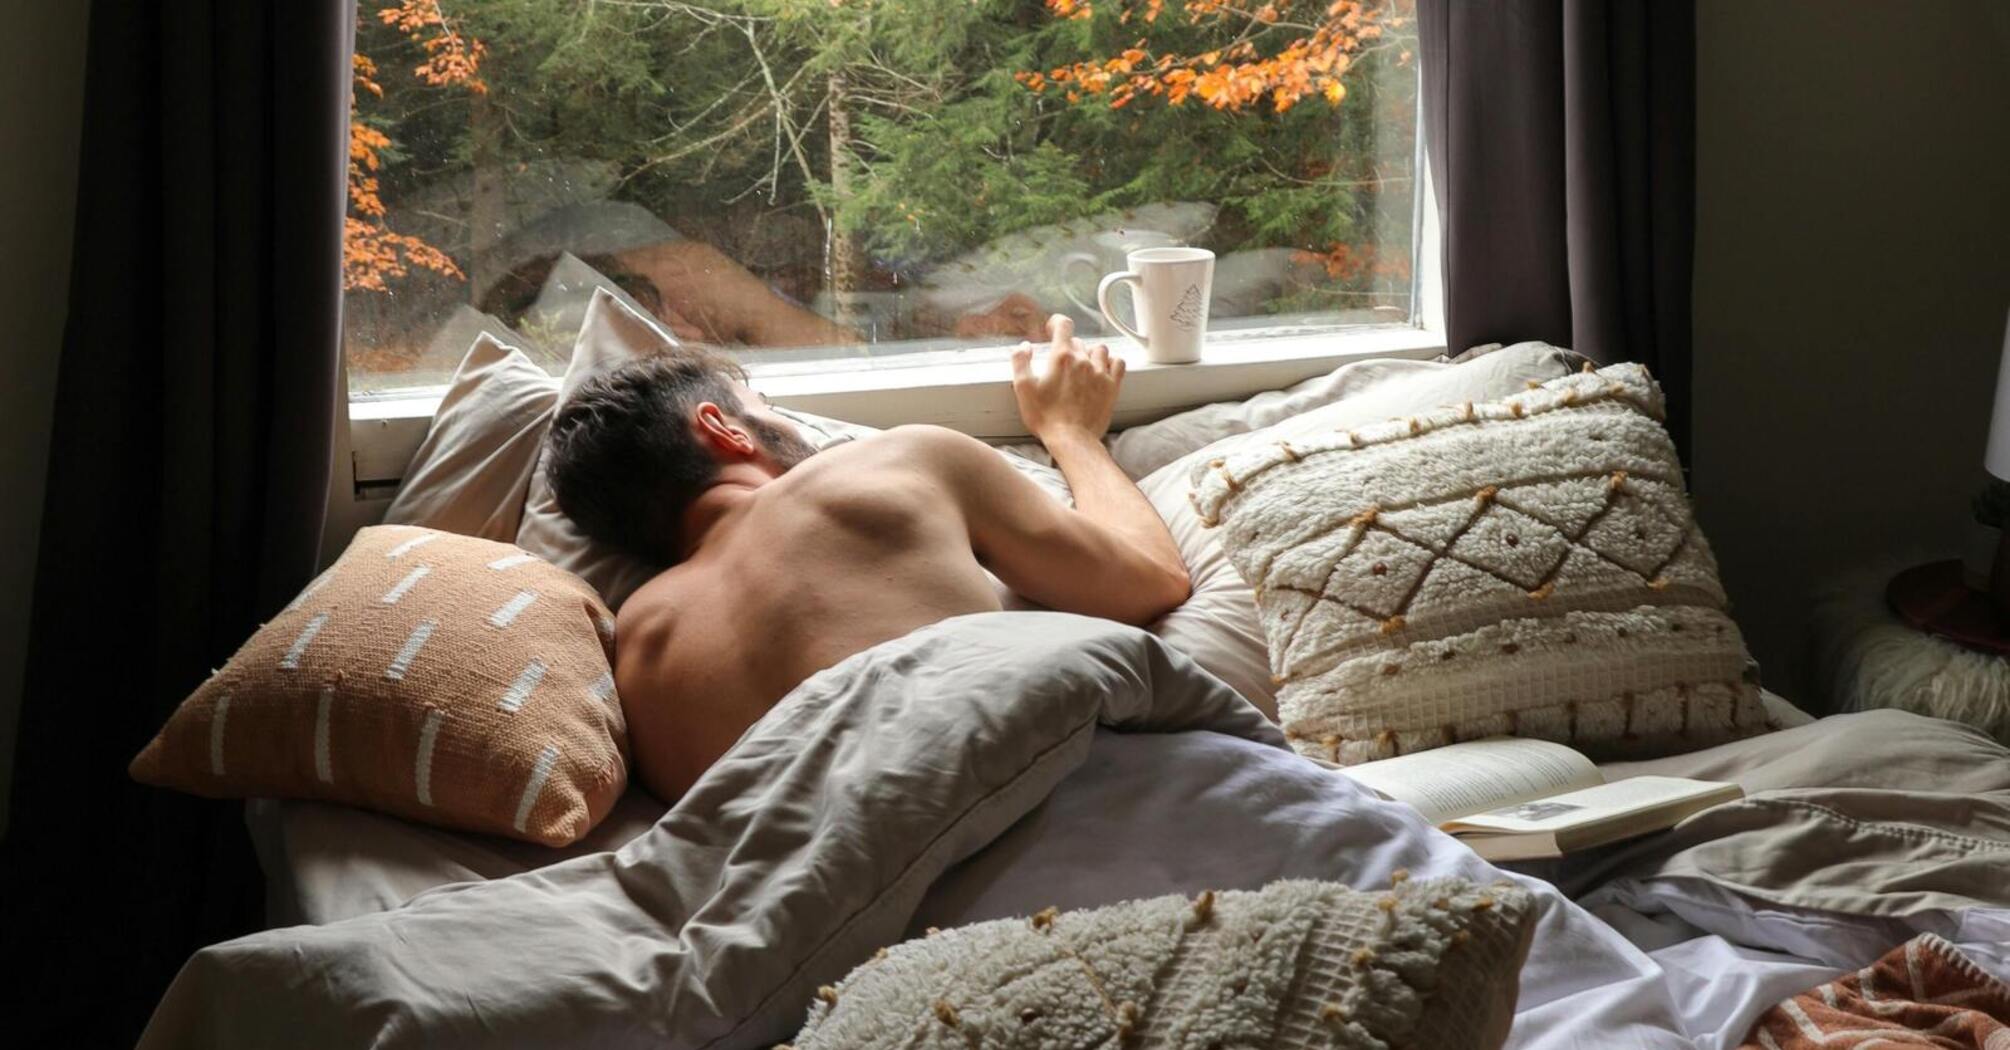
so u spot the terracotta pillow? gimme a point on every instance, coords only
(442, 678)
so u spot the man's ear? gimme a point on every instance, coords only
(721, 433)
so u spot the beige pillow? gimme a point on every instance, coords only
(431, 676)
(471, 473)
(611, 336)
(1219, 626)
(1299, 964)
(1526, 566)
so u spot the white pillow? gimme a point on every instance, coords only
(471, 473)
(560, 308)
(1218, 626)
(1143, 449)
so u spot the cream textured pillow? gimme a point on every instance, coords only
(437, 677)
(1218, 626)
(1526, 566)
(471, 473)
(1295, 964)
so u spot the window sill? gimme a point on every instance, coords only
(974, 395)
(971, 393)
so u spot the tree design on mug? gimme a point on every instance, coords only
(1189, 312)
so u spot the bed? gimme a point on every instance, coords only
(1081, 774)
(996, 765)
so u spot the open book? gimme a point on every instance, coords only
(1519, 799)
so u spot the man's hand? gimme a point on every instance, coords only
(1075, 397)
(1110, 556)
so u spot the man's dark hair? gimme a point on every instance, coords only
(621, 455)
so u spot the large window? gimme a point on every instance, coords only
(815, 182)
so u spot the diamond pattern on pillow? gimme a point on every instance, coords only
(1377, 575)
(1561, 586)
(1219, 626)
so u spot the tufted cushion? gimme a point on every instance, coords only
(442, 678)
(1295, 964)
(1218, 626)
(1527, 566)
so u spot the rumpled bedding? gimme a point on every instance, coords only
(993, 765)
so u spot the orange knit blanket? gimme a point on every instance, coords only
(1922, 993)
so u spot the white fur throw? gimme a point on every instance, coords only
(1296, 964)
(1528, 566)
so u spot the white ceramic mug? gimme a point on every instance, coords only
(1169, 290)
(1109, 250)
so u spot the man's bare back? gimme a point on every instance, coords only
(852, 548)
(787, 568)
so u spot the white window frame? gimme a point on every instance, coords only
(968, 390)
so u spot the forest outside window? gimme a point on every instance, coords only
(824, 183)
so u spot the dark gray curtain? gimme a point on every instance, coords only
(188, 478)
(1561, 136)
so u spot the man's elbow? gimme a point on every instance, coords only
(1167, 588)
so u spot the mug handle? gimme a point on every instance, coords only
(1109, 282)
(1069, 263)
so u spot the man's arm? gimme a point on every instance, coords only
(1068, 409)
(1111, 556)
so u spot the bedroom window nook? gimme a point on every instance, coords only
(870, 201)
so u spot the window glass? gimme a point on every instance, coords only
(803, 180)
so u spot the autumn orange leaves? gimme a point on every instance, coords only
(373, 254)
(453, 59)
(1283, 51)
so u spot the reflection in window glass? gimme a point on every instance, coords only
(808, 179)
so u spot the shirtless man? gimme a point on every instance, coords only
(784, 563)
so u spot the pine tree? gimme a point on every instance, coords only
(1190, 310)
(875, 140)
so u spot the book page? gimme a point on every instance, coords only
(1605, 802)
(1458, 780)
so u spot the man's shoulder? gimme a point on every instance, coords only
(893, 474)
(652, 606)
(903, 449)
(923, 438)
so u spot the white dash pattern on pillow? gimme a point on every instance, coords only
(443, 678)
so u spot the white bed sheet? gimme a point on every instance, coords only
(1238, 815)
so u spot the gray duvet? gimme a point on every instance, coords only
(805, 849)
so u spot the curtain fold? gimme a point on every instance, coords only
(188, 478)
(1561, 140)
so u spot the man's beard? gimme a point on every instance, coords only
(782, 444)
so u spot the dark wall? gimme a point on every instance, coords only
(1852, 281)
